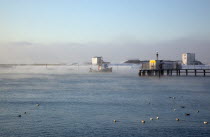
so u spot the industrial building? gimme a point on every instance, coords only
(161, 64)
(189, 59)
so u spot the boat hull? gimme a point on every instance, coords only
(101, 70)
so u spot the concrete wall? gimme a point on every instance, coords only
(188, 58)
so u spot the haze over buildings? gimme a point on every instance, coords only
(66, 31)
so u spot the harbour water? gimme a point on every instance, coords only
(86, 104)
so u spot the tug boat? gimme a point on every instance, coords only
(102, 65)
(102, 68)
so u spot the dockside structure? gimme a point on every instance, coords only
(169, 68)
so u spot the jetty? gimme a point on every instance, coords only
(174, 72)
(188, 67)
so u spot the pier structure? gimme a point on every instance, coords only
(190, 67)
(174, 72)
(170, 68)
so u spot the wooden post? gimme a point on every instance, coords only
(186, 72)
(159, 72)
(162, 72)
(195, 72)
(143, 73)
(139, 72)
(156, 72)
(204, 73)
(149, 72)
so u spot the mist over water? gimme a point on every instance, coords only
(65, 69)
(74, 102)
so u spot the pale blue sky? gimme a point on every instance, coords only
(104, 22)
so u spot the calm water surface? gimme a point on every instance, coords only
(86, 104)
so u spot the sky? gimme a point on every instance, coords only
(67, 31)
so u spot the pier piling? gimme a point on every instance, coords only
(170, 72)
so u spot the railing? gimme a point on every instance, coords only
(195, 66)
